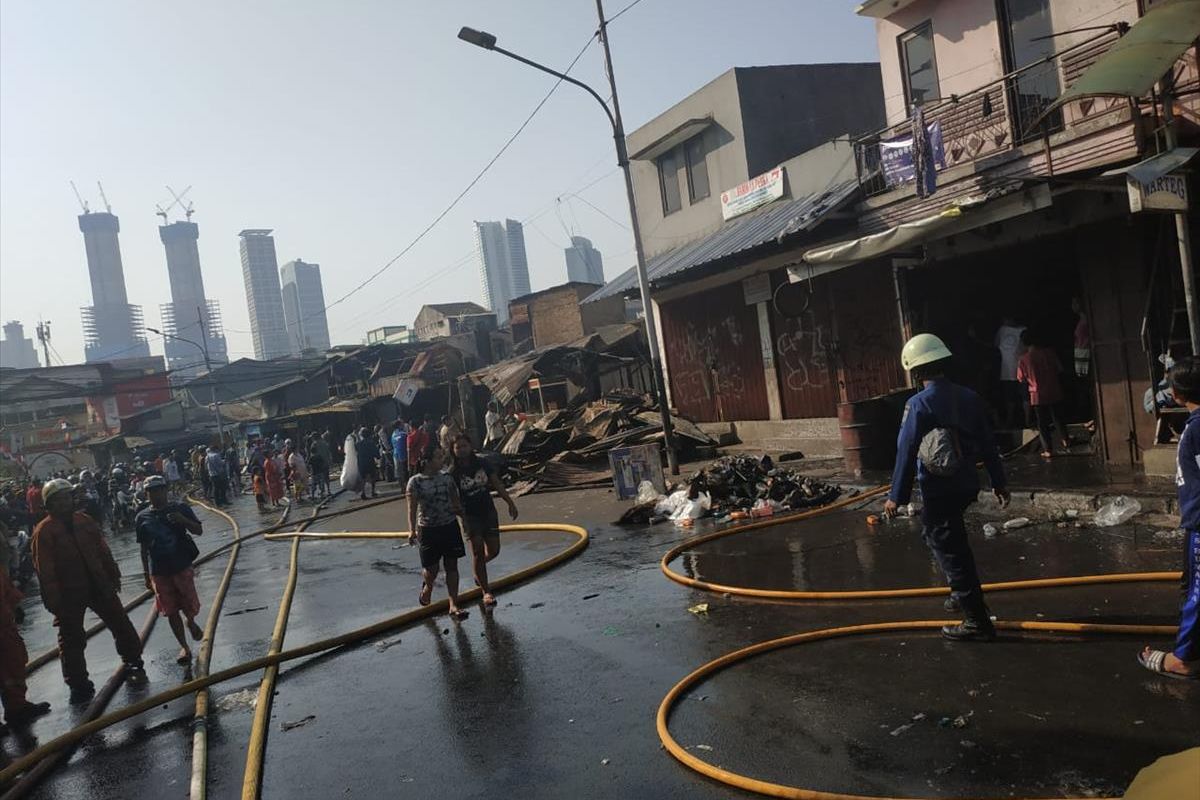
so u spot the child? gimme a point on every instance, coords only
(433, 509)
(17, 710)
(1184, 660)
(167, 554)
(260, 489)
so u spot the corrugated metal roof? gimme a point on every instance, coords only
(773, 223)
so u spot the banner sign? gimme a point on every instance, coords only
(751, 194)
(896, 155)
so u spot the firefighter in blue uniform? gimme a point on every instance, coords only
(945, 433)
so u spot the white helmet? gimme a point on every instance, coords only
(924, 348)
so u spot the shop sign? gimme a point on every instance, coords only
(1164, 193)
(751, 194)
(757, 289)
(632, 465)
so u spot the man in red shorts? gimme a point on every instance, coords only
(167, 554)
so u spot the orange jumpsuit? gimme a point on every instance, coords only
(12, 648)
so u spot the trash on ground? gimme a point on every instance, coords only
(384, 645)
(705, 747)
(900, 729)
(1072, 513)
(234, 701)
(245, 611)
(990, 531)
(1119, 510)
(918, 716)
(1016, 523)
(872, 519)
(591, 596)
(963, 720)
(604, 762)
(699, 608)
(287, 726)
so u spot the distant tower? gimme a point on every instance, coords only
(16, 351)
(181, 317)
(260, 273)
(112, 328)
(503, 267)
(584, 264)
(304, 307)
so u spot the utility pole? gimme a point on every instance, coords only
(43, 335)
(212, 386)
(1182, 234)
(643, 279)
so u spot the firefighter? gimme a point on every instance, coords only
(17, 709)
(76, 572)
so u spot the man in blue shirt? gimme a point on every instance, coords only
(1184, 660)
(400, 453)
(947, 426)
(164, 531)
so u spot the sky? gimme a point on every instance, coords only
(346, 127)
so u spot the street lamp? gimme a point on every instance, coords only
(488, 42)
(212, 386)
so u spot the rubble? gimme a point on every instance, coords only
(735, 488)
(569, 447)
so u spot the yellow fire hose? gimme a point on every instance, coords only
(751, 784)
(29, 761)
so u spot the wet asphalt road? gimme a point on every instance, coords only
(568, 672)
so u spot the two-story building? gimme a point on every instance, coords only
(732, 184)
(1000, 188)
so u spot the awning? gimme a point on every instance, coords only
(1155, 167)
(1141, 57)
(681, 133)
(999, 204)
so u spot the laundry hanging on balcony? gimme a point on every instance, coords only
(897, 157)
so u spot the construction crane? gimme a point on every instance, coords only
(82, 203)
(107, 207)
(187, 209)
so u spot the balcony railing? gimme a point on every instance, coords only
(992, 118)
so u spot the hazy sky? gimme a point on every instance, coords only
(346, 127)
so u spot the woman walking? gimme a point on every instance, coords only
(274, 476)
(475, 479)
(433, 509)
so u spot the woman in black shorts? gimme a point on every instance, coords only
(433, 512)
(475, 479)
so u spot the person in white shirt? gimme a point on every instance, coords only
(494, 423)
(1010, 342)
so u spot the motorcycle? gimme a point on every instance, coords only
(123, 508)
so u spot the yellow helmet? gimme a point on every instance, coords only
(924, 348)
(54, 487)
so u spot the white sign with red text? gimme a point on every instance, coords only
(751, 194)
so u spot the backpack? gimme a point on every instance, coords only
(940, 450)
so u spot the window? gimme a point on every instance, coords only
(697, 168)
(668, 182)
(918, 65)
(1027, 30)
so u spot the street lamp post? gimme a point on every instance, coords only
(488, 42)
(212, 386)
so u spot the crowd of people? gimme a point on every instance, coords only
(448, 486)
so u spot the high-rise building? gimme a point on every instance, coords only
(260, 273)
(112, 328)
(188, 306)
(304, 307)
(16, 351)
(584, 263)
(503, 268)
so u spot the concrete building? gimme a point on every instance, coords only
(304, 307)
(264, 300)
(438, 320)
(390, 334)
(112, 328)
(17, 351)
(558, 315)
(188, 306)
(584, 262)
(503, 267)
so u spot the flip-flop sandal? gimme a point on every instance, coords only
(421, 598)
(459, 615)
(489, 600)
(1156, 663)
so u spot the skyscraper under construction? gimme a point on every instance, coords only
(112, 328)
(190, 314)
